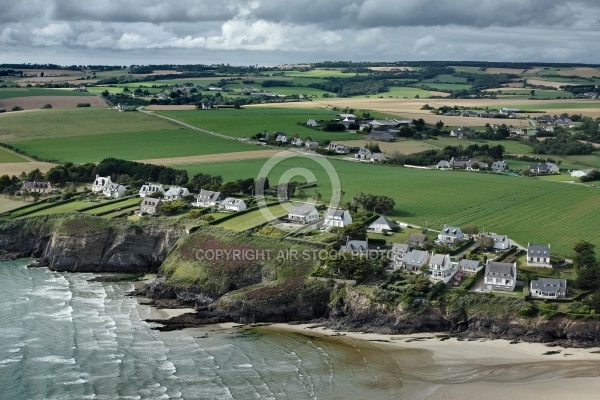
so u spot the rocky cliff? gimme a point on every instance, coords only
(79, 243)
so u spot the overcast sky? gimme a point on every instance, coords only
(271, 32)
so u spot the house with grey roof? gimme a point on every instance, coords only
(208, 198)
(303, 213)
(363, 154)
(338, 148)
(459, 162)
(415, 260)
(232, 204)
(538, 255)
(337, 218)
(397, 254)
(450, 235)
(377, 158)
(469, 267)
(176, 193)
(114, 191)
(441, 268)
(500, 276)
(383, 123)
(416, 239)
(499, 242)
(356, 247)
(36, 187)
(309, 144)
(548, 288)
(150, 188)
(312, 123)
(149, 206)
(382, 224)
(544, 168)
(381, 136)
(444, 164)
(499, 166)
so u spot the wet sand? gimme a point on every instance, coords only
(435, 367)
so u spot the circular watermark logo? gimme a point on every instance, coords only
(288, 175)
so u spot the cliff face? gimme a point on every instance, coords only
(89, 244)
(133, 249)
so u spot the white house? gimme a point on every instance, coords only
(382, 224)
(377, 158)
(304, 213)
(114, 191)
(538, 255)
(297, 142)
(337, 218)
(208, 198)
(499, 166)
(500, 242)
(101, 183)
(450, 235)
(363, 154)
(443, 164)
(469, 267)
(441, 268)
(399, 251)
(309, 144)
(232, 204)
(176, 193)
(500, 276)
(548, 288)
(150, 188)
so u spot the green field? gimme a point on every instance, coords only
(401, 92)
(7, 156)
(320, 73)
(252, 219)
(552, 106)
(446, 79)
(528, 210)
(76, 122)
(116, 206)
(33, 91)
(252, 120)
(447, 87)
(540, 94)
(61, 208)
(131, 146)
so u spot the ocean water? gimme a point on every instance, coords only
(63, 337)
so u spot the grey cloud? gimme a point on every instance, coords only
(155, 11)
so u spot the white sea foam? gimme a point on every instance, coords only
(56, 360)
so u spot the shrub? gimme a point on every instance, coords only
(84, 105)
(16, 108)
(46, 106)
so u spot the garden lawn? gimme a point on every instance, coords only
(252, 219)
(131, 146)
(119, 205)
(525, 209)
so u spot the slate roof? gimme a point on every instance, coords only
(383, 221)
(302, 209)
(499, 269)
(469, 265)
(333, 213)
(550, 285)
(35, 185)
(355, 246)
(400, 248)
(415, 257)
(538, 250)
(417, 238)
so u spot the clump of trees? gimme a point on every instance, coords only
(371, 202)
(563, 144)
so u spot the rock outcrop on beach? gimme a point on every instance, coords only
(80, 243)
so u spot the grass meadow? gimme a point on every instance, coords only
(9, 93)
(252, 219)
(56, 123)
(528, 210)
(252, 120)
(7, 156)
(131, 146)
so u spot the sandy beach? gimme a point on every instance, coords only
(435, 367)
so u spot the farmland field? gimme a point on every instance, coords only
(528, 210)
(115, 206)
(75, 122)
(131, 146)
(33, 91)
(408, 92)
(7, 156)
(252, 219)
(249, 121)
